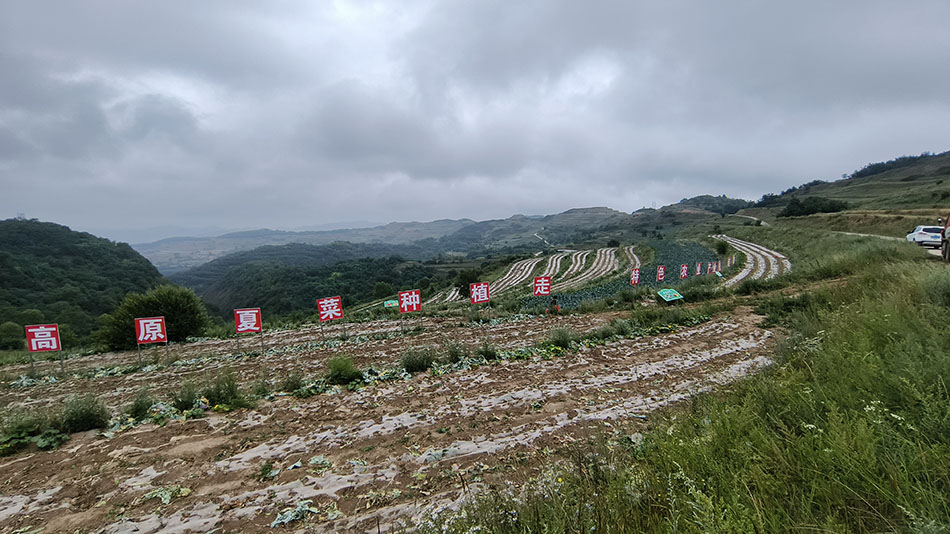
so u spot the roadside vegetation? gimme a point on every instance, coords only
(848, 432)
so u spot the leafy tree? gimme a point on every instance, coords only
(466, 277)
(798, 207)
(382, 289)
(11, 336)
(184, 313)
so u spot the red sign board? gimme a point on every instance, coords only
(330, 308)
(542, 286)
(635, 276)
(42, 338)
(410, 301)
(150, 330)
(709, 267)
(699, 268)
(660, 273)
(684, 271)
(248, 320)
(478, 292)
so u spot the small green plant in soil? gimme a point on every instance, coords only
(342, 371)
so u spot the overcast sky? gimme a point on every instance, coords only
(125, 115)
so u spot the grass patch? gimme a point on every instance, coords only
(342, 371)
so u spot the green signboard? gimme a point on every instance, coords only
(669, 294)
(391, 304)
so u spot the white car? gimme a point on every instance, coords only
(925, 236)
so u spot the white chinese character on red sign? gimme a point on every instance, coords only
(709, 267)
(410, 301)
(150, 330)
(247, 320)
(542, 286)
(684, 271)
(699, 268)
(42, 337)
(635, 276)
(660, 273)
(330, 308)
(478, 292)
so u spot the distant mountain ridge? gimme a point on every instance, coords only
(445, 235)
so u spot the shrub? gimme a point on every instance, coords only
(184, 314)
(292, 382)
(562, 337)
(488, 351)
(342, 371)
(138, 410)
(184, 399)
(84, 413)
(11, 336)
(417, 360)
(722, 248)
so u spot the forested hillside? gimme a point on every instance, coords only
(293, 282)
(203, 277)
(49, 273)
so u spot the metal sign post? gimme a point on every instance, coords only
(140, 354)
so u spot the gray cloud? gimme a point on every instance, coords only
(240, 114)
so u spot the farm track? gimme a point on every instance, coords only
(554, 264)
(760, 261)
(517, 273)
(604, 263)
(578, 260)
(422, 437)
(632, 256)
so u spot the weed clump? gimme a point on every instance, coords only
(225, 391)
(84, 413)
(138, 410)
(417, 360)
(562, 337)
(455, 352)
(488, 351)
(292, 382)
(342, 371)
(184, 399)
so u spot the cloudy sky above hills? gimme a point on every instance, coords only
(122, 115)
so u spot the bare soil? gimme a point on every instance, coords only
(396, 449)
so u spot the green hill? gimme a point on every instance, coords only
(283, 287)
(49, 273)
(887, 198)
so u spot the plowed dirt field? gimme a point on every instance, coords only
(368, 459)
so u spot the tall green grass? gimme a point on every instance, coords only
(848, 432)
